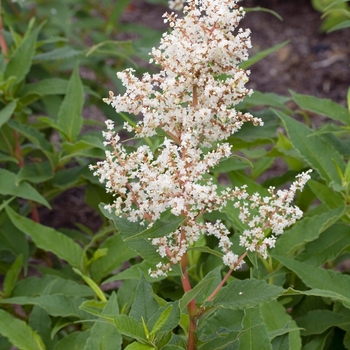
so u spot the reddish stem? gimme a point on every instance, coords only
(35, 213)
(226, 277)
(18, 150)
(3, 44)
(193, 312)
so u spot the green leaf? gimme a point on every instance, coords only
(327, 247)
(51, 285)
(342, 25)
(243, 294)
(322, 106)
(162, 320)
(48, 239)
(129, 327)
(145, 305)
(55, 305)
(36, 138)
(306, 230)
(138, 346)
(318, 321)
(13, 240)
(262, 9)
(280, 324)
(50, 86)
(33, 135)
(326, 195)
(266, 99)
(35, 172)
(45, 87)
(19, 333)
(104, 335)
(205, 249)
(41, 322)
(254, 334)
(62, 53)
(92, 284)
(12, 276)
(6, 112)
(166, 224)
(73, 341)
(117, 253)
(227, 341)
(262, 54)
(9, 187)
(199, 288)
(21, 60)
(318, 342)
(70, 118)
(95, 307)
(128, 229)
(317, 152)
(330, 283)
(82, 148)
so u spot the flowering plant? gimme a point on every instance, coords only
(181, 192)
(192, 102)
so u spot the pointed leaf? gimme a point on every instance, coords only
(331, 283)
(326, 195)
(12, 275)
(327, 247)
(145, 305)
(280, 324)
(104, 335)
(117, 253)
(128, 229)
(242, 294)
(163, 318)
(254, 334)
(36, 172)
(6, 112)
(73, 341)
(318, 321)
(199, 288)
(166, 224)
(48, 239)
(19, 333)
(55, 305)
(49, 284)
(9, 187)
(129, 327)
(322, 106)
(138, 346)
(70, 118)
(315, 150)
(262, 54)
(21, 60)
(59, 54)
(306, 230)
(14, 241)
(51, 86)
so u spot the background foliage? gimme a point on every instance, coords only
(79, 289)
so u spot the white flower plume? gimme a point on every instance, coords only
(193, 100)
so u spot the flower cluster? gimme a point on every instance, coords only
(200, 82)
(267, 216)
(192, 100)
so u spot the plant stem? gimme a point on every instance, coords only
(226, 277)
(2, 39)
(193, 312)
